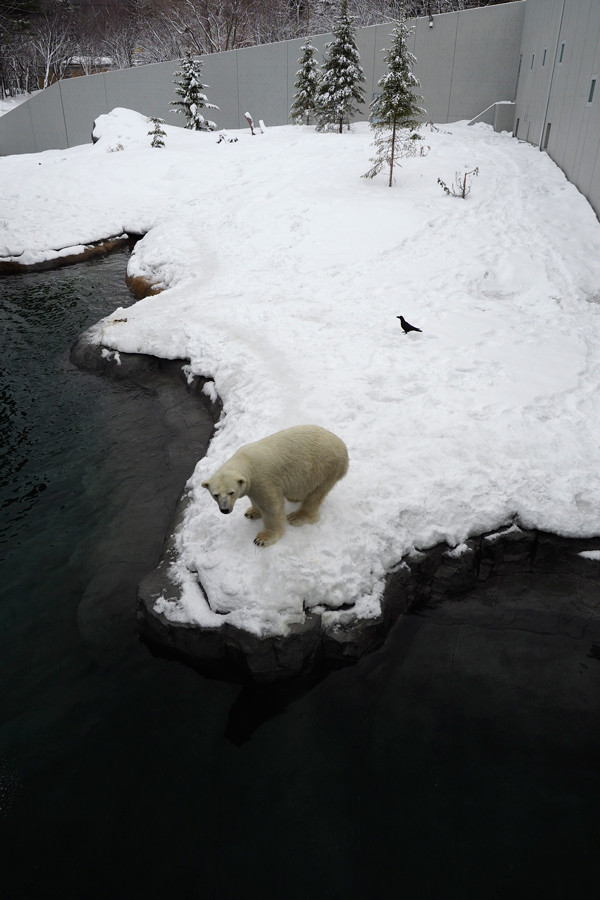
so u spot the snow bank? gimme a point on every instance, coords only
(9, 103)
(283, 272)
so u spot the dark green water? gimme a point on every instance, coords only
(461, 760)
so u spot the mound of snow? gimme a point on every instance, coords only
(284, 272)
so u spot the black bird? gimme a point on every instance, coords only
(406, 326)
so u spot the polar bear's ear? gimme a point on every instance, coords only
(241, 482)
(206, 484)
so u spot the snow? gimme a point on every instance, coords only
(283, 273)
(458, 551)
(111, 355)
(493, 538)
(8, 103)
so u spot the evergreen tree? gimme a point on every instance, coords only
(193, 100)
(339, 88)
(158, 133)
(396, 111)
(304, 104)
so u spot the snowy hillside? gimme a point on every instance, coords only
(283, 273)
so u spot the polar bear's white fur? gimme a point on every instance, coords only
(300, 464)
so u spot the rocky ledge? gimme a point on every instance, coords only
(427, 577)
(65, 256)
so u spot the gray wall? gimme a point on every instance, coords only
(467, 61)
(553, 93)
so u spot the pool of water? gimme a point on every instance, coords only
(460, 760)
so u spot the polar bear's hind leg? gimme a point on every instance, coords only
(309, 512)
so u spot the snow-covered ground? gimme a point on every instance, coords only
(10, 102)
(283, 273)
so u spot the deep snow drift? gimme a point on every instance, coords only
(283, 273)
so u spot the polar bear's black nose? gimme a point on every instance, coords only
(225, 511)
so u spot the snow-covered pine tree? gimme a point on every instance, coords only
(193, 98)
(396, 112)
(158, 133)
(339, 87)
(307, 80)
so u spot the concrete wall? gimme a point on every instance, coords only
(474, 65)
(466, 62)
(501, 116)
(560, 55)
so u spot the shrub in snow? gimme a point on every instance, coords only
(158, 133)
(460, 187)
(307, 81)
(339, 87)
(193, 98)
(396, 112)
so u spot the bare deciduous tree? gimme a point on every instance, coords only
(53, 42)
(38, 38)
(209, 26)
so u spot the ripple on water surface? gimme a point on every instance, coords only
(90, 469)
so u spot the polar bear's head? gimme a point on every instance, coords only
(226, 488)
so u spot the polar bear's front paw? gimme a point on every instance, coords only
(252, 513)
(266, 538)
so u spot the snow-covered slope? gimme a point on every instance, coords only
(283, 273)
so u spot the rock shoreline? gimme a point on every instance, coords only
(428, 577)
(68, 255)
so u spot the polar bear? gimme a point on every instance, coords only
(299, 464)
